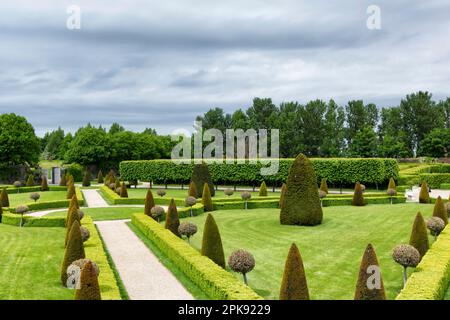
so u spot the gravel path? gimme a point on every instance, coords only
(93, 199)
(144, 277)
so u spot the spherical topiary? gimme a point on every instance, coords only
(241, 261)
(246, 195)
(22, 209)
(187, 229)
(35, 196)
(391, 192)
(435, 225)
(17, 184)
(228, 192)
(80, 263)
(156, 212)
(322, 194)
(190, 201)
(85, 234)
(406, 256)
(161, 192)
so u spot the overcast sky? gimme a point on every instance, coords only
(158, 64)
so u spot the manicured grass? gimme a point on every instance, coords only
(331, 252)
(16, 199)
(30, 260)
(99, 214)
(178, 193)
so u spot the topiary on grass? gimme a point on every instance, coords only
(117, 185)
(212, 242)
(187, 229)
(324, 185)
(85, 234)
(89, 288)
(74, 250)
(440, 211)
(172, 219)
(200, 176)
(435, 225)
(87, 179)
(30, 181)
(63, 181)
(241, 261)
(35, 196)
(72, 217)
(206, 198)
(4, 198)
(370, 284)
(70, 191)
(424, 196)
(123, 191)
(263, 189)
(294, 285)
(282, 195)
(245, 195)
(100, 178)
(74, 202)
(190, 201)
(192, 190)
(161, 192)
(228, 192)
(21, 210)
(301, 204)
(44, 184)
(419, 235)
(149, 202)
(156, 212)
(358, 197)
(392, 184)
(406, 256)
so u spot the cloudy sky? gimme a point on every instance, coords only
(158, 64)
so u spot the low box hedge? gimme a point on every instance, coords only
(14, 220)
(445, 186)
(434, 180)
(13, 190)
(431, 278)
(216, 282)
(113, 198)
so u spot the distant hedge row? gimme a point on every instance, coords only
(344, 171)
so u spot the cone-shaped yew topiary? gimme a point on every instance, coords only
(72, 217)
(392, 184)
(358, 197)
(424, 196)
(4, 198)
(419, 235)
(149, 203)
(294, 285)
(74, 202)
(123, 190)
(87, 179)
(440, 211)
(172, 218)
(100, 178)
(44, 184)
(324, 185)
(301, 205)
(117, 185)
(206, 198)
(263, 189)
(30, 181)
(200, 176)
(74, 250)
(212, 242)
(63, 181)
(70, 191)
(282, 195)
(192, 190)
(370, 284)
(89, 288)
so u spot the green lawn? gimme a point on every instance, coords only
(30, 260)
(178, 193)
(98, 214)
(331, 252)
(16, 199)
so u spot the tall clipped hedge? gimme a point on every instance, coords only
(345, 171)
(200, 176)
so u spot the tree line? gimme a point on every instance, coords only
(418, 126)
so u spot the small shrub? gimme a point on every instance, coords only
(85, 234)
(228, 192)
(263, 189)
(392, 184)
(161, 192)
(424, 196)
(206, 198)
(71, 218)
(391, 193)
(89, 287)
(363, 291)
(70, 191)
(74, 272)
(192, 190)
(112, 186)
(35, 196)
(440, 211)
(44, 184)
(212, 242)
(149, 202)
(322, 195)
(30, 181)
(324, 185)
(172, 218)
(74, 250)
(419, 235)
(100, 178)
(190, 201)
(123, 191)
(156, 212)
(406, 256)
(21, 210)
(187, 229)
(242, 261)
(17, 184)
(87, 179)
(4, 198)
(63, 181)
(358, 197)
(245, 195)
(117, 185)
(294, 285)
(200, 176)
(435, 225)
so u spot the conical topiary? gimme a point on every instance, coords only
(358, 197)
(324, 185)
(74, 250)
(123, 190)
(172, 219)
(89, 288)
(70, 191)
(206, 199)
(192, 190)
(100, 178)
(212, 242)
(282, 195)
(294, 285)
(63, 181)
(73, 216)
(30, 181)
(44, 184)
(419, 235)
(301, 205)
(117, 185)
(74, 201)
(440, 211)
(392, 184)
(4, 198)
(263, 189)
(424, 196)
(87, 179)
(200, 176)
(370, 283)
(70, 179)
(73, 205)
(149, 203)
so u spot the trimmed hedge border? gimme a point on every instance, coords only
(14, 190)
(216, 282)
(50, 222)
(445, 186)
(435, 180)
(431, 278)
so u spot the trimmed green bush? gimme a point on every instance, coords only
(440, 211)
(212, 242)
(358, 196)
(4, 198)
(435, 180)
(424, 196)
(363, 291)
(74, 250)
(192, 190)
(419, 235)
(70, 191)
(30, 181)
(117, 185)
(263, 189)
(392, 184)
(87, 179)
(445, 186)
(324, 185)
(123, 190)
(89, 288)
(172, 219)
(149, 203)
(301, 201)
(294, 285)
(63, 181)
(200, 176)
(44, 184)
(72, 216)
(206, 198)
(100, 178)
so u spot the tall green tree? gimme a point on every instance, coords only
(313, 126)
(435, 144)
(364, 144)
(334, 122)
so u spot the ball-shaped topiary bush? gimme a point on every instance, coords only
(246, 196)
(161, 192)
(322, 195)
(85, 234)
(187, 229)
(17, 184)
(241, 261)
(35, 196)
(391, 193)
(156, 212)
(119, 190)
(363, 188)
(435, 225)
(406, 256)
(80, 263)
(190, 201)
(228, 192)
(112, 186)
(22, 209)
